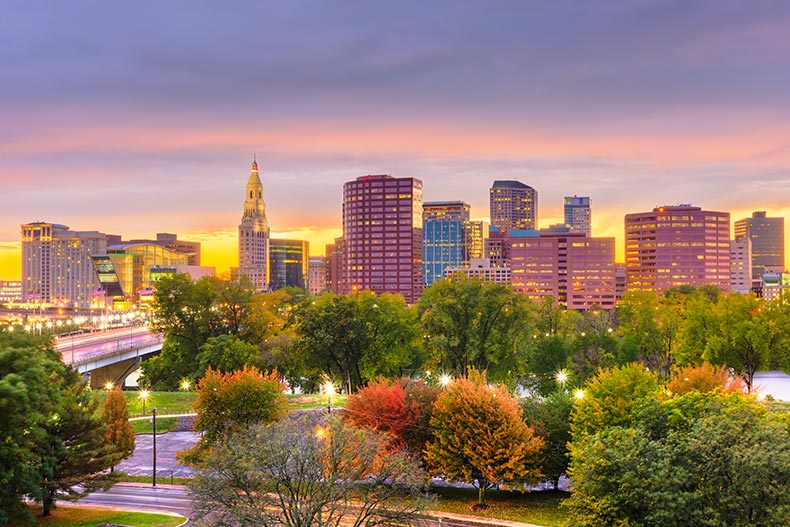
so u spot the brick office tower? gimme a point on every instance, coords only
(382, 231)
(677, 245)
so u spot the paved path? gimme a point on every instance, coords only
(141, 462)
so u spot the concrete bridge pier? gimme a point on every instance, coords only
(115, 373)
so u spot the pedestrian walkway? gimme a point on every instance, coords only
(167, 445)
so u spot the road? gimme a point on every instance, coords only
(143, 497)
(176, 499)
(77, 348)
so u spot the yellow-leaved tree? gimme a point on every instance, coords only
(480, 438)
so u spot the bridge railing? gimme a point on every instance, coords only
(120, 348)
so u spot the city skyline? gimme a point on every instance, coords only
(141, 120)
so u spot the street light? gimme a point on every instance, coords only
(329, 388)
(579, 394)
(108, 385)
(143, 396)
(561, 377)
(445, 380)
(186, 385)
(154, 471)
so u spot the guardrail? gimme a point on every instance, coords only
(121, 347)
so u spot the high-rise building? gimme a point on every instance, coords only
(254, 235)
(288, 263)
(768, 242)
(171, 241)
(382, 229)
(575, 270)
(56, 264)
(477, 234)
(578, 214)
(741, 265)
(514, 206)
(10, 292)
(481, 269)
(445, 241)
(336, 266)
(677, 245)
(317, 275)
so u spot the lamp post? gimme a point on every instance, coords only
(154, 472)
(144, 396)
(330, 391)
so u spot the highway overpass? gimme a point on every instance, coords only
(109, 356)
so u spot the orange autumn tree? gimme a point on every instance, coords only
(228, 403)
(480, 437)
(119, 434)
(704, 378)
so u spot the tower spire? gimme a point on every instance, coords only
(254, 163)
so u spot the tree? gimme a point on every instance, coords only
(738, 331)
(296, 474)
(472, 324)
(73, 457)
(611, 398)
(28, 392)
(480, 438)
(549, 417)
(401, 408)
(115, 416)
(356, 338)
(703, 378)
(225, 353)
(653, 324)
(189, 314)
(229, 402)
(700, 459)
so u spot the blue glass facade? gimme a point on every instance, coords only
(445, 240)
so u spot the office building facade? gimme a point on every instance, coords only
(768, 242)
(677, 245)
(57, 269)
(741, 265)
(289, 262)
(382, 230)
(445, 239)
(513, 206)
(317, 275)
(254, 235)
(578, 214)
(574, 270)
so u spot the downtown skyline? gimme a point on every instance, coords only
(144, 119)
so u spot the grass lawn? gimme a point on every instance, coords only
(304, 401)
(163, 424)
(540, 507)
(164, 402)
(85, 517)
(159, 480)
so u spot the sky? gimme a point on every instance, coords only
(143, 117)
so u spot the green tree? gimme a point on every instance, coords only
(356, 338)
(737, 331)
(653, 324)
(189, 314)
(480, 438)
(229, 402)
(225, 353)
(700, 459)
(28, 393)
(115, 416)
(73, 456)
(472, 324)
(296, 474)
(611, 398)
(549, 417)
